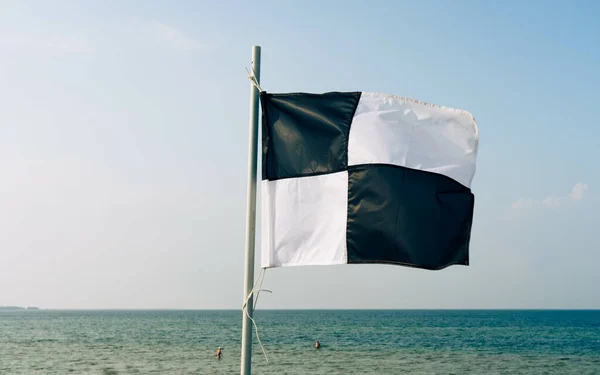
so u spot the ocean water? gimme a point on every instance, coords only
(353, 342)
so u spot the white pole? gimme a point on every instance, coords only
(250, 216)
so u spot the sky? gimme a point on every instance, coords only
(124, 147)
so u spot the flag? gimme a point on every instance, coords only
(357, 177)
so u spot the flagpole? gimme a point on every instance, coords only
(246, 358)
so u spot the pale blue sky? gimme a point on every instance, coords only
(123, 146)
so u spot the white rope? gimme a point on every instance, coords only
(252, 78)
(261, 276)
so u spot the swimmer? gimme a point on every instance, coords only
(219, 352)
(317, 344)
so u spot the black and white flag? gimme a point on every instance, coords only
(356, 177)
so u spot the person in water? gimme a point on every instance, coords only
(219, 352)
(317, 344)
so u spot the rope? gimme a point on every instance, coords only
(253, 80)
(261, 276)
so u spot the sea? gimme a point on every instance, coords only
(487, 342)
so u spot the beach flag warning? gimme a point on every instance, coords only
(357, 177)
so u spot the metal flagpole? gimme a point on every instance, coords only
(250, 217)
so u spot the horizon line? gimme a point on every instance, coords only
(35, 308)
